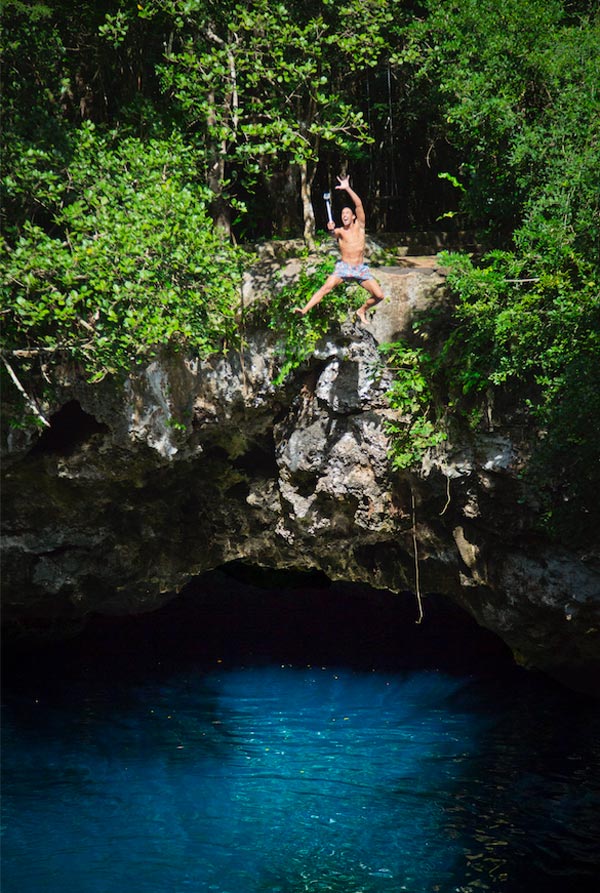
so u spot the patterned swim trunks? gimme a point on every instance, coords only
(345, 271)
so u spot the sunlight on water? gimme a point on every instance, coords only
(272, 778)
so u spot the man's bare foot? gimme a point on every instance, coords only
(362, 315)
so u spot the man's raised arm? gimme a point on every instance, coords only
(358, 205)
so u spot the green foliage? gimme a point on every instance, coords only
(515, 93)
(414, 432)
(512, 327)
(565, 467)
(33, 138)
(133, 262)
(63, 65)
(539, 339)
(258, 82)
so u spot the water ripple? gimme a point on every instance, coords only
(278, 779)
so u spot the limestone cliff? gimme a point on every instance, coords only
(137, 488)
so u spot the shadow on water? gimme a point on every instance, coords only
(283, 734)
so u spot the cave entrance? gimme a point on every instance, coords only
(242, 614)
(303, 617)
(70, 427)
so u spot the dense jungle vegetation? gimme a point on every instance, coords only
(145, 143)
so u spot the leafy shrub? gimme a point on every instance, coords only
(132, 261)
(539, 338)
(416, 430)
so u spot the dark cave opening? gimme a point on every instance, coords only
(70, 427)
(243, 614)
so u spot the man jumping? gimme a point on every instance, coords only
(352, 267)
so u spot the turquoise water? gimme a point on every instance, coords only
(198, 752)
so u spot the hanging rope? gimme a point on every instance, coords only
(447, 495)
(416, 558)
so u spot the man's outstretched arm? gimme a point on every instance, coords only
(344, 183)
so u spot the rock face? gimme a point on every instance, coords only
(137, 488)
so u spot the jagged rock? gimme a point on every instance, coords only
(136, 489)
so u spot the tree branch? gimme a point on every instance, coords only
(232, 73)
(28, 400)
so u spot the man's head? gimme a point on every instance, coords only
(348, 216)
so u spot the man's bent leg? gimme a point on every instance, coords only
(330, 283)
(375, 297)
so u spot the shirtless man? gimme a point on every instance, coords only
(352, 267)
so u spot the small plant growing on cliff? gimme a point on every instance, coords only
(414, 431)
(299, 335)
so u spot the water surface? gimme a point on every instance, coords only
(286, 743)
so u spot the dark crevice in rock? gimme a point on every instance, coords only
(70, 427)
(215, 453)
(304, 483)
(259, 460)
(312, 376)
(239, 491)
(273, 578)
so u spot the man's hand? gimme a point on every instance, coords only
(344, 183)
(330, 225)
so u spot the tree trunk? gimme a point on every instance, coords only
(306, 181)
(281, 197)
(219, 208)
